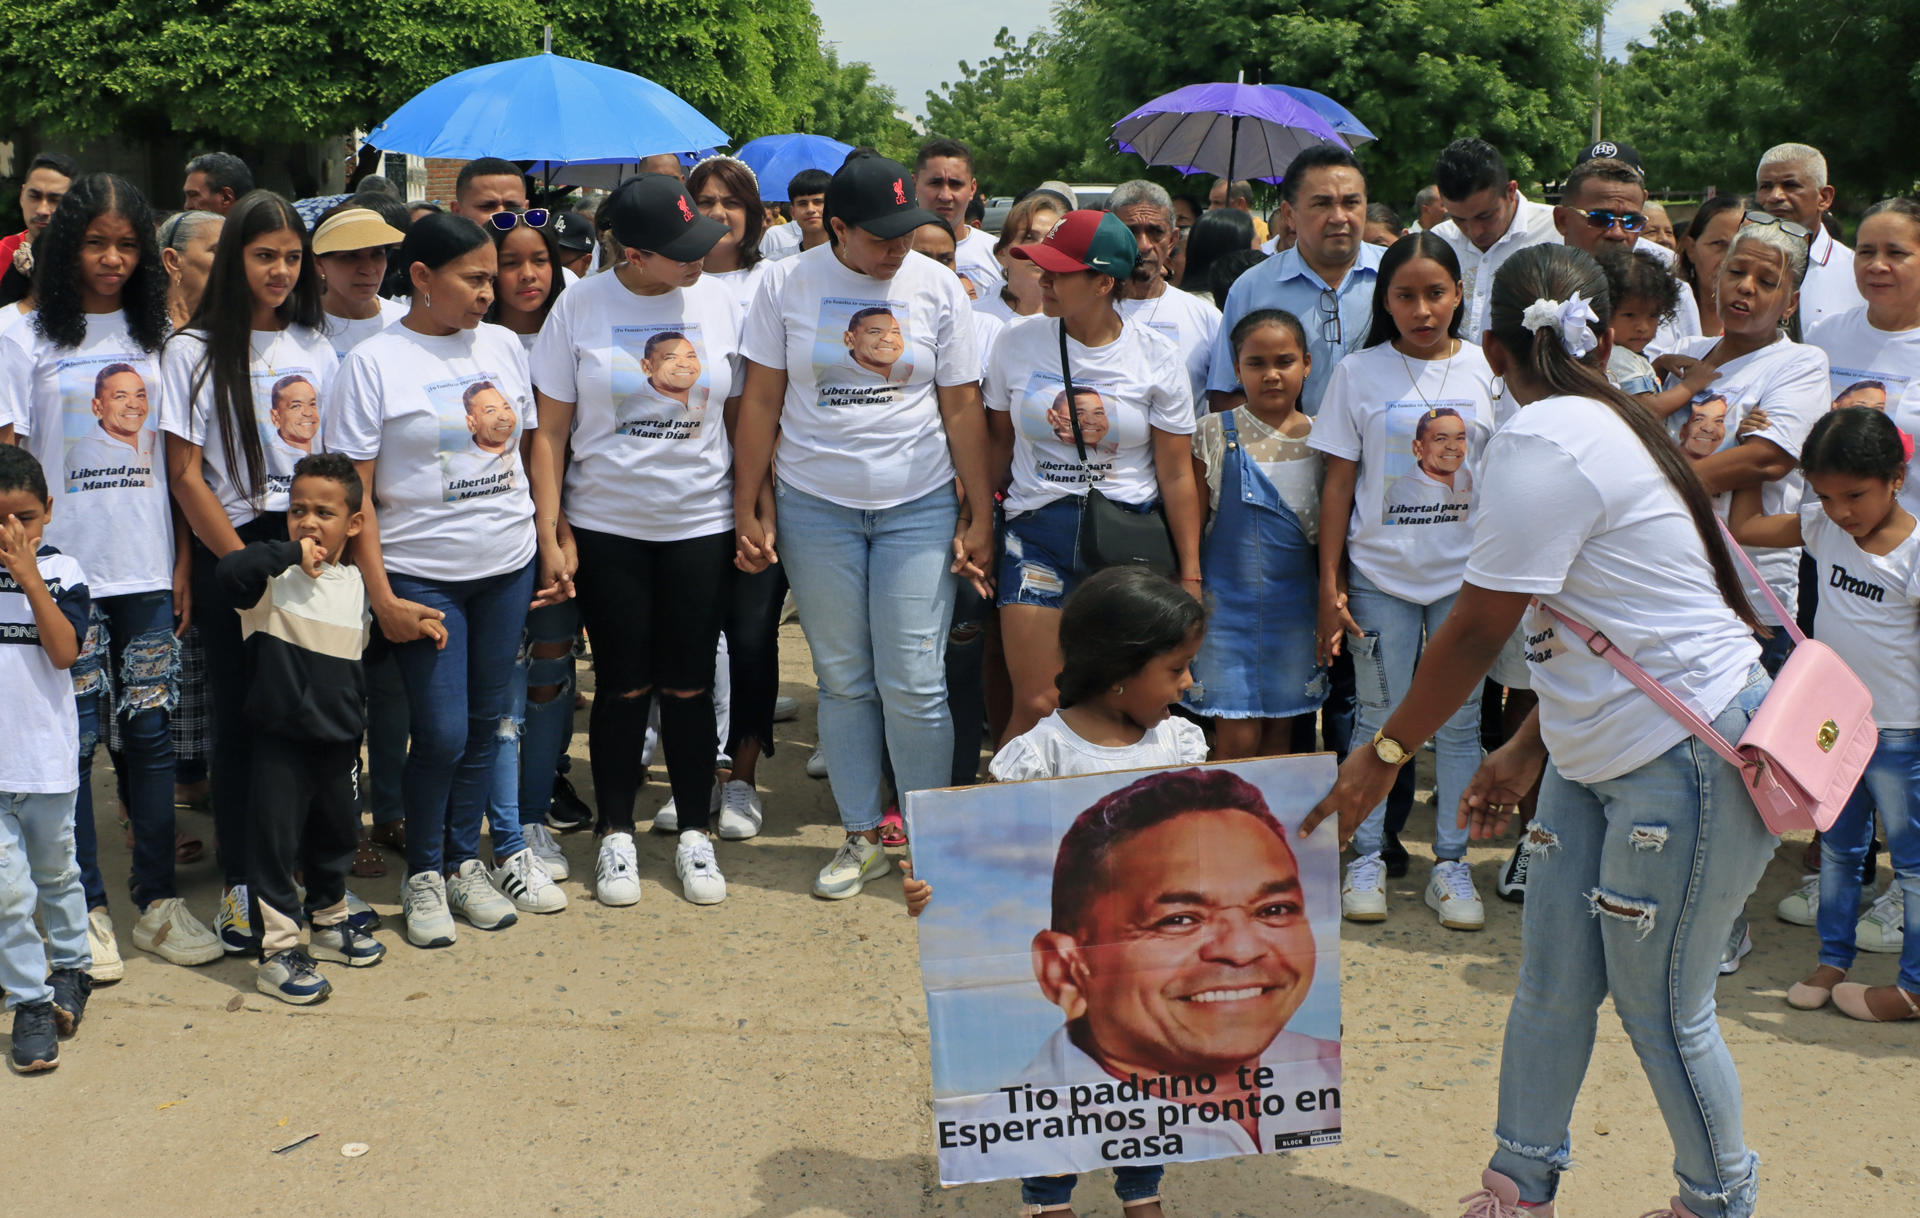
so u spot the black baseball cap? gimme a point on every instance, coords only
(1612, 151)
(572, 231)
(654, 212)
(876, 194)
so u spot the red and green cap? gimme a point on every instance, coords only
(1084, 241)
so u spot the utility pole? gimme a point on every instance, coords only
(1599, 65)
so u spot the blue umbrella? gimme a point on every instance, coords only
(775, 159)
(545, 108)
(1338, 116)
(1229, 130)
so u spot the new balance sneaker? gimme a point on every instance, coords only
(168, 931)
(741, 812)
(817, 764)
(699, 872)
(616, 873)
(1363, 894)
(70, 989)
(1883, 929)
(1513, 877)
(785, 708)
(541, 841)
(523, 880)
(471, 896)
(234, 924)
(361, 915)
(568, 811)
(1739, 946)
(852, 865)
(107, 966)
(1451, 894)
(423, 903)
(667, 819)
(291, 977)
(36, 1046)
(343, 943)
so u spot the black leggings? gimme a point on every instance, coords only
(653, 610)
(753, 656)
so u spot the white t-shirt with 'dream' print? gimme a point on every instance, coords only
(1124, 391)
(649, 377)
(440, 417)
(289, 373)
(1877, 369)
(861, 425)
(1870, 613)
(1410, 529)
(90, 415)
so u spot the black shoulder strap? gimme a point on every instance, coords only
(1073, 408)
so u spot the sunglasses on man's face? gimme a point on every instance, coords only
(533, 217)
(1788, 227)
(1603, 219)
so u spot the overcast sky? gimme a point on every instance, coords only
(914, 45)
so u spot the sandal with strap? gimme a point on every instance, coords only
(1139, 1201)
(1060, 1207)
(893, 827)
(367, 863)
(1857, 1000)
(392, 834)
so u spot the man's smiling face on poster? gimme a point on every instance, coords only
(874, 338)
(490, 417)
(672, 365)
(120, 403)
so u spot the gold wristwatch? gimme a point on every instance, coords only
(1390, 750)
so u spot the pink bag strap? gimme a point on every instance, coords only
(1779, 610)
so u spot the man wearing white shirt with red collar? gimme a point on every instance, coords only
(1488, 220)
(1791, 184)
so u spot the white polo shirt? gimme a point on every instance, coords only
(1532, 225)
(1828, 288)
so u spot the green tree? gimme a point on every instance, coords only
(849, 106)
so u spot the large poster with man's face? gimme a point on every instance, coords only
(1130, 968)
(108, 423)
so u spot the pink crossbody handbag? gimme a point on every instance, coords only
(1806, 747)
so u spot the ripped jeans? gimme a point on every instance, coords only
(38, 868)
(129, 665)
(534, 732)
(1632, 888)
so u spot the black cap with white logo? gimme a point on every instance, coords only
(654, 212)
(876, 194)
(1609, 150)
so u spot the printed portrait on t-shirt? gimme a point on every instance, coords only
(864, 349)
(1106, 423)
(1429, 471)
(108, 423)
(661, 386)
(479, 449)
(289, 425)
(1871, 394)
(1705, 427)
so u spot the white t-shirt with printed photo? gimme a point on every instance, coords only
(973, 257)
(346, 333)
(1789, 381)
(1874, 368)
(1192, 323)
(1124, 392)
(861, 425)
(1573, 510)
(649, 378)
(441, 418)
(1419, 429)
(89, 414)
(1870, 613)
(290, 372)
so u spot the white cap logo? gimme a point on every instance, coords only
(1605, 148)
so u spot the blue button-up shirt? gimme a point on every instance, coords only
(1285, 281)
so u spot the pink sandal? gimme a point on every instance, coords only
(893, 828)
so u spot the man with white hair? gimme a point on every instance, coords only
(1791, 184)
(1192, 323)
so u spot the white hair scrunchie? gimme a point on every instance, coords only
(1570, 317)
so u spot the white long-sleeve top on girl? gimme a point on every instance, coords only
(440, 417)
(1573, 510)
(1870, 613)
(1419, 430)
(289, 374)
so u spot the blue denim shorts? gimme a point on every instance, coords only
(1040, 555)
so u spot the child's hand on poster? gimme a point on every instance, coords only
(918, 892)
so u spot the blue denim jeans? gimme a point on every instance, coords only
(1633, 885)
(534, 734)
(1393, 634)
(38, 868)
(129, 666)
(1129, 1184)
(1892, 785)
(455, 698)
(876, 601)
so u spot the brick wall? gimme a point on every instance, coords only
(441, 175)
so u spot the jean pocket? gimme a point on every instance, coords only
(1369, 674)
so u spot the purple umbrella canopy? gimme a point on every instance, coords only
(1231, 131)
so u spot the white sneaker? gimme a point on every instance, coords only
(616, 874)
(1739, 947)
(471, 896)
(817, 764)
(1450, 893)
(785, 708)
(741, 812)
(1801, 906)
(107, 966)
(1363, 895)
(168, 931)
(852, 865)
(423, 903)
(1884, 927)
(667, 819)
(541, 841)
(523, 879)
(699, 872)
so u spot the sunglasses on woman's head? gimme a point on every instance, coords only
(1603, 219)
(533, 217)
(1788, 227)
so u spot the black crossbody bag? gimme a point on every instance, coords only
(1111, 534)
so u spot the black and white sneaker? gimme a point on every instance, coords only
(1513, 877)
(36, 1046)
(568, 811)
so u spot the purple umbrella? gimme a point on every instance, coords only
(1231, 131)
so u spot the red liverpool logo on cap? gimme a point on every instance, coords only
(900, 191)
(686, 213)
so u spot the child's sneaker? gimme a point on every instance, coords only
(168, 931)
(344, 943)
(70, 989)
(524, 881)
(291, 977)
(423, 902)
(1363, 895)
(546, 848)
(107, 966)
(361, 915)
(234, 925)
(852, 865)
(471, 896)
(698, 870)
(36, 1047)
(1883, 929)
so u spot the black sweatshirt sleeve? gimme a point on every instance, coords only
(244, 574)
